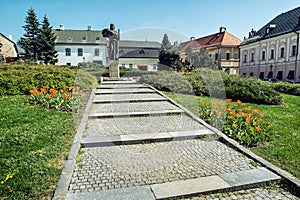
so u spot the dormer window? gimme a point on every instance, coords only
(142, 52)
(83, 38)
(97, 38)
(69, 37)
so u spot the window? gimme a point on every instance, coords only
(68, 52)
(142, 52)
(130, 65)
(123, 65)
(252, 57)
(97, 38)
(216, 56)
(227, 56)
(291, 75)
(154, 67)
(294, 49)
(80, 52)
(69, 37)
(272, 54)
(262, 75)
(97, 52)
(279, 75)
(244, 74)
(251, 74)
(263, 55)
(245, 58)
(281, 52)
(236, 55)
(68, 64)
(83, 38)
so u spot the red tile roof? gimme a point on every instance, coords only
(220, 38)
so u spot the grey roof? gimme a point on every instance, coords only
(139, 44)
(284, 23)
(139, 53)
(79, 37)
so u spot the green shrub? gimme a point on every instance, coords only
(206, 82)
(287, 88)
(168, 81)
(18, 79)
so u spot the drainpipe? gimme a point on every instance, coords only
(296, 58)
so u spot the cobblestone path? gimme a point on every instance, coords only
(116, 171)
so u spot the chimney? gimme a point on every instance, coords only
(89, 28)
(10, 37)
(222, 29)
(192, 38)
(61, 27)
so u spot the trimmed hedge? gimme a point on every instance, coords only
(168, 81)
(252, 90)
(18, 79)
(287, 88)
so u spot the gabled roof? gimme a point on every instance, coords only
(221, 38)
(284, 23)
(140, 53)
(79, 36)
(139, 44)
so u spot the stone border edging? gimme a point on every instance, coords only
(289, 178)
(66, 174)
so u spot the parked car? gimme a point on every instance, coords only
(271, 80)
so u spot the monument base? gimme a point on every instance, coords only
(114, 72)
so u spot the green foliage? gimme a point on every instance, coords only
(287, 88)
(33, 143)
(166, 44)
(47, 51)
(168, 81)
(169, 61)
(29, 42)
(18, 79)
(207, 82)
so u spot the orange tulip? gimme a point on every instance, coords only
(255, 111)
(248, 119)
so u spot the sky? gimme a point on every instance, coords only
(147, 20)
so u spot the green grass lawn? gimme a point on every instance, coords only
(284, 148)
(34, 143)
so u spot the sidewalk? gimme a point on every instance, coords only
(135, 143)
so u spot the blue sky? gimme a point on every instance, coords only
(147, 19)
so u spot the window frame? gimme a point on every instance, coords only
(68, 52)
(80, 52)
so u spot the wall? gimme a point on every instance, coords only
(151, 63)
(88, 54)
(8, 47)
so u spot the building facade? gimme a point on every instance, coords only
(222, 47)
(76, 46)
(142, 55)
(8, 50)
(272, 51)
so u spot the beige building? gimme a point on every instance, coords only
(8, 49)
(273, 51)
(221, 46)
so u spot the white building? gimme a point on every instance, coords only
(75, 46)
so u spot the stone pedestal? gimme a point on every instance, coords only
(114, 72)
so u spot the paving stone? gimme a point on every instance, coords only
(154, 163)
(141, 125)
(132, 107)
(189, 186)
(253, 176)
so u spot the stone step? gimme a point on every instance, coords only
(175, 168)
(138, 96)
(123, 86)
(212, 184)
(123, 91)
(130, 100)
(151, 137)
(132, 106)
(120, 82)
(140, 113)
(143, 124)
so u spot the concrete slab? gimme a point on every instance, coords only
(253, 176)
(191, 133)
(188, 187)
(125, 114)
(131, 100)
(130, 193)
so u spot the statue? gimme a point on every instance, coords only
(113, 45)
(113, 50)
